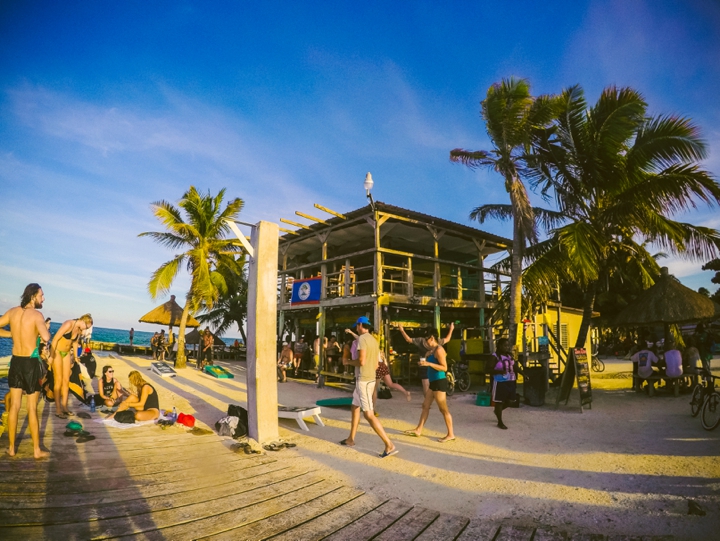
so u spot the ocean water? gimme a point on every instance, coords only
(101, 334)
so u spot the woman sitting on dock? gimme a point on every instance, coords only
(144, 401)
(109, 387)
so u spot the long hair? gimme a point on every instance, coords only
(30, 291)
(137, 381)
(105, 369)
(87, 318)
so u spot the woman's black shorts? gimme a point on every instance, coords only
(25, 373)
(504, 391)
(439, 385)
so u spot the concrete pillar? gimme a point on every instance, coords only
(262, 334)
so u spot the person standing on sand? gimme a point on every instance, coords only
(365, 367)
(436, 364)
(63, 356)
(206, 353)
(132, 336)
(27, 329)
(504, 379)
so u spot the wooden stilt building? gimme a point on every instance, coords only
(393, 265)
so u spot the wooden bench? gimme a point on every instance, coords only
(674, 381)
(299, 413)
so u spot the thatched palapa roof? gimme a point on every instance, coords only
(668, 301)
(168, 314)
(195, 337)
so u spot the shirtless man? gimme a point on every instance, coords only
(27, 327)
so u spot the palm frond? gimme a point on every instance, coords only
(472, 158)
(164, 276)
(662, 141)
(169, 240)
(496, 212)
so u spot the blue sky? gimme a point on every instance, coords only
(108, 106)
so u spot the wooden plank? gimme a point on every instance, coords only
(67, 476)
(587, 537)
(368, 526)
(190, 519)
(545, 534)
(137, 506)
(83, 484)
(409, 526)
(243, 514)
(514, 533)
(287, 520)
(478, 530)
(444, 527)
(89, 498)
(324, 525)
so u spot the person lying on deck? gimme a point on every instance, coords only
(144, 400)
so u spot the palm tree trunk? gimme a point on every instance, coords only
(180, 360)
(242, 333)
(515, 281)
(588, 305)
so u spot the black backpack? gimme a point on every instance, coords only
(127, 417)
(242, 414)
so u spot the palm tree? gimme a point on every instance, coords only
(512, 116)
(618, 176)
(231, 307)
(207, 253)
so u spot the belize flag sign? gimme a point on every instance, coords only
(306, 291)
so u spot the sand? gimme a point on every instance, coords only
(627, 466)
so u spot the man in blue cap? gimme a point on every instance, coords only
(365, 366)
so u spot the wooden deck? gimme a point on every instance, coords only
(149, 483)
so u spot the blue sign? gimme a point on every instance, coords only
(306, 291)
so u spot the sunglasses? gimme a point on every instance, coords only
(111, 371)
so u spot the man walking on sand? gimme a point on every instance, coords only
(365, 366)
(27, 327)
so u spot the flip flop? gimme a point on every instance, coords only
(85, 438)
(290, 445)
(443, 440)
(84, 415)
(61, 416)
(411, 434)
(273, 447)
(346, 444)
(386, 454)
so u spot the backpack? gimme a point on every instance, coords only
(384, 393)
(242, 415)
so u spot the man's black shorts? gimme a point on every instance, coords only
(25, 373)
(439, 385)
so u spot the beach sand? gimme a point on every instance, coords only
(627, 466)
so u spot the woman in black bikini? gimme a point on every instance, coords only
(144, 401)
(109, 387)
(62, 357)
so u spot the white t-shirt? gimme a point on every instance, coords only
(673, 360)
(645, 359)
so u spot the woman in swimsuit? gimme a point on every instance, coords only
(144, 401)
(62, 358)
(109, 387)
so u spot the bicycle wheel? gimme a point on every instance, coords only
(600, 365)
(451, 383)
(463, 381)
(711, 412)
(696, 401)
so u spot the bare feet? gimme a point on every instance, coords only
(39, 455)
(347, 442)
(411, 433)
(408, 396)
(446, 439)
(10, 451)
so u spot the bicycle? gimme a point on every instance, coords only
(701, 392)
(597, 365)
(458, 376)
(710, 418)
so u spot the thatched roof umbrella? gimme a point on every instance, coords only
(168, 314)
(195, 336)
(666, 302)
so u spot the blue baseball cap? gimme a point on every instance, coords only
(364, 320)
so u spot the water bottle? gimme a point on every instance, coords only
(174, 414)
(92, 403)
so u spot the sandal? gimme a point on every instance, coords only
(61, 416)
(273, 447)
(85, 438)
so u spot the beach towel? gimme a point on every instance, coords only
(124, 426)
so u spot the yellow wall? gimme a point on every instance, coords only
(569, 317)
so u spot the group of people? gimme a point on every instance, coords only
(36, 359)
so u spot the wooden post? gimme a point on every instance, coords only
(410, 285)
(346, 279)
(262, 335)
(321, 322)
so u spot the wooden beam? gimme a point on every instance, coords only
(301, 226)
(290, 231)
(313, 218)
(325, 209)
